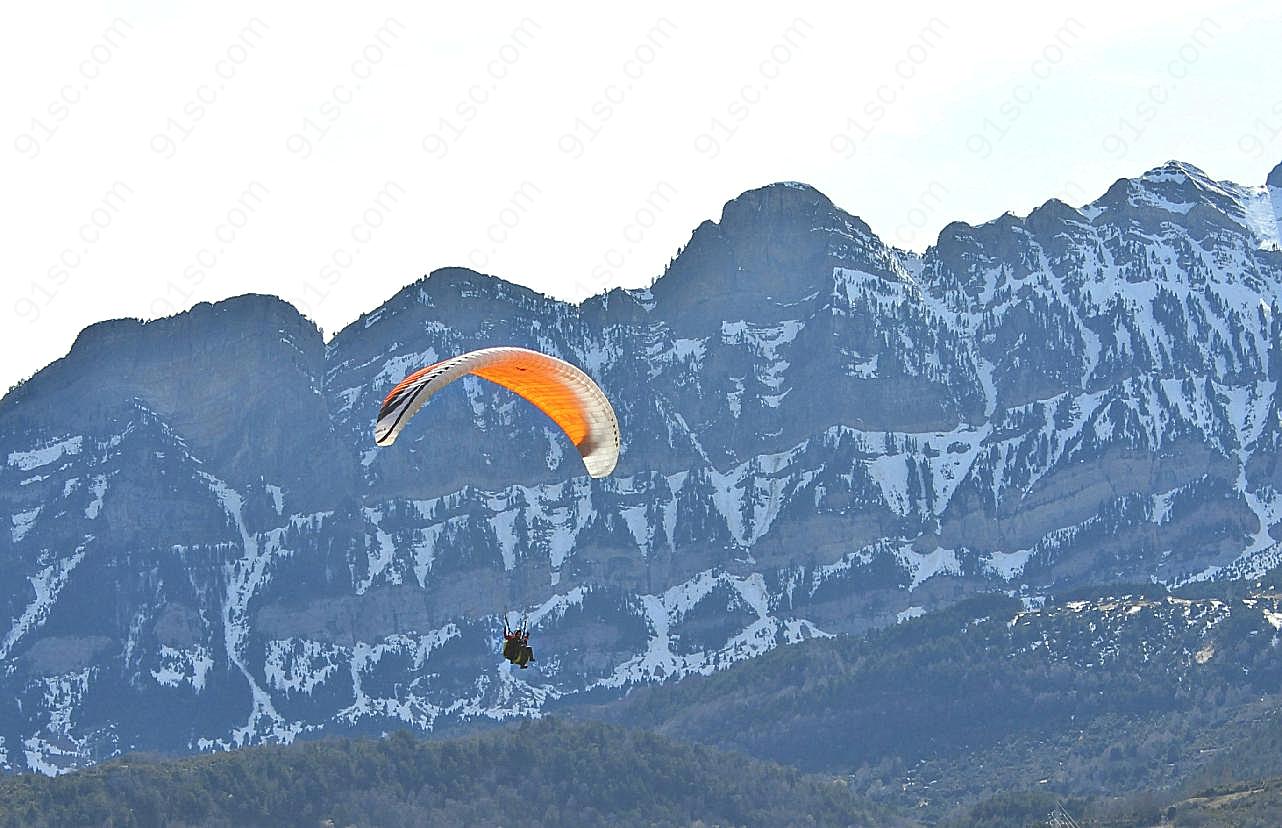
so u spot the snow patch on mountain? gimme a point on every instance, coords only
(1262, 219)
(555, 608)
(909, 614)
(46, 584)
(278, 497)
(298, 665)
(764, 341)
(97, 488)
(186, 665)
(410, 708)
(1009, 565)
(381, 552)
(400, 366)
(22, 523)
(53, 749)
(664, 613)
(663, 354)
(44, 455)
(244, 577)
(925, 566)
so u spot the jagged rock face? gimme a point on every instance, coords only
(821, 434)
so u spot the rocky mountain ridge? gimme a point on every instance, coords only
(821, 435)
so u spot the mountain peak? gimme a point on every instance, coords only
(800, 189)
(1177, 180)
(791, 201)
(210, 315)
(1182, 189)
(447, 287)
(797, 207)
(1175, 171)
(778, 242)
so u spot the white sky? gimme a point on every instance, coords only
(487, 133)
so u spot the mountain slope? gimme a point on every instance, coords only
(546, 773)
(822, 435)
(1102, 695)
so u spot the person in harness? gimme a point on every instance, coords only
(516, 644)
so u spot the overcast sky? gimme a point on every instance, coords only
(155, 157)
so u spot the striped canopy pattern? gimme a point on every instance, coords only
(560, 390)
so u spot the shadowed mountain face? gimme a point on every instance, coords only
(204, 548)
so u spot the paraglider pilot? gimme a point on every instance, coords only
(516, 644)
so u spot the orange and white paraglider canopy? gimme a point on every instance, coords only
(557, 388)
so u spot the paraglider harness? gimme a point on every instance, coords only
(516, 643)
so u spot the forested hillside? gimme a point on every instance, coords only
(1092, 695)
(1255, 803)
(537, 773)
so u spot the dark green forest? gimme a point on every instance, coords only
(970, 703)
(1130, 707)
(544, 772)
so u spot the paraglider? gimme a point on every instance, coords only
(516, 644)
(560, 390)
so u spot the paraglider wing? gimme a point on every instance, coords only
(557, 388)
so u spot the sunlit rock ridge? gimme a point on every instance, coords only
(202, 547)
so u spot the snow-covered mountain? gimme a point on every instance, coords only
(822, 434)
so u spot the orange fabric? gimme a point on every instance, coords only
(531, 378)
